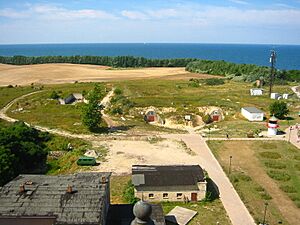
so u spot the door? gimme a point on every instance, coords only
(215, 117)
(193, 197)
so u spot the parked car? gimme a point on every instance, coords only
(86, 161)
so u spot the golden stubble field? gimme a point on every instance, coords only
(69, 73)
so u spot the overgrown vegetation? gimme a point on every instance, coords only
(120, 104)
(242, 72)
(22, 150)
(114, 61)
(128, 193)
(214, 81)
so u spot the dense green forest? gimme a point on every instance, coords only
(22, 150)
(242, 72)
(117, 61)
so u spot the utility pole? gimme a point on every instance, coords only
(272, 75)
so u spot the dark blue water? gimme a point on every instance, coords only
(288, 56)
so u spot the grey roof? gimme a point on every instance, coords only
(253, 110)
(165, 176)
(123, 214)
(47, 196)
(70, 99)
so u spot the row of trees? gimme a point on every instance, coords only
(246, 72)
(117, 61)
(22, 150)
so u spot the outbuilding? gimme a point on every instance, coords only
(169, 183)
(252, 113)
(256, 91)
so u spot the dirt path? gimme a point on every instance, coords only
(105, 102)
(235, 208)
(242, 157)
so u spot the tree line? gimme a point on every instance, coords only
(113, 61)
(244, 72)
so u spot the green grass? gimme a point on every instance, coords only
(40, 110)
(65, 161)
(278, 159)
(178, 94)
(8, 94)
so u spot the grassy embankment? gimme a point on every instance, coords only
(208, 212)
(263, 172)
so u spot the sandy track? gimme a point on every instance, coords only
(68, 73)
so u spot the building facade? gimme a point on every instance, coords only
(169, 183)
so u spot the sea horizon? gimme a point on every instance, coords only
(288, 56)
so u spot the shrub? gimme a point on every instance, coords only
(270, 155)
(54, 95)
(118, 91)
(275, 165)
(128, 193)
(214, 81)
(288, 189)
(297, 157)
(279, 109)
(278, 175)
(265, 196)
(10, 86)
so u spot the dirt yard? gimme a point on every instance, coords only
(69, 73)
(123, 154)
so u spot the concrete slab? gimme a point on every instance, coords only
(180, 215)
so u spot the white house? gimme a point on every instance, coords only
(285, 96)
(256, 91)
(252, 114)
(276, 96)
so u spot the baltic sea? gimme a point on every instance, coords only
(288, 56)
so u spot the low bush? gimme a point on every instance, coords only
(275, 165)
(297, 157)
(288, 189)
(278, 175)
(214, 81)
(207, 119)
(265, 196)
(270, 155)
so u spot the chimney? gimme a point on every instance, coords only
(69, 189)
(103, 179)
(22, 188)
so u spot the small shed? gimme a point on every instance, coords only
(276, 96)
(256, 91)
(252, 113)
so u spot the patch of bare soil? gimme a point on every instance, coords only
(244, 159)
(123, 154)
(68, 73)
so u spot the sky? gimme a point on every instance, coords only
(150, 21)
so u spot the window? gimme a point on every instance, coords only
(165, 195)
(151, 195)
(179, 195)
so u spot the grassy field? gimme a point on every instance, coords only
(177, 94)
(263, 171)
(7, 94)
(208, 212)
(39, 109)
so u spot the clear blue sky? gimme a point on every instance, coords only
(110, 21)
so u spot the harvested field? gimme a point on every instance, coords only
(69, 73)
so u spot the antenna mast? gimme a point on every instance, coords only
(272, 75)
